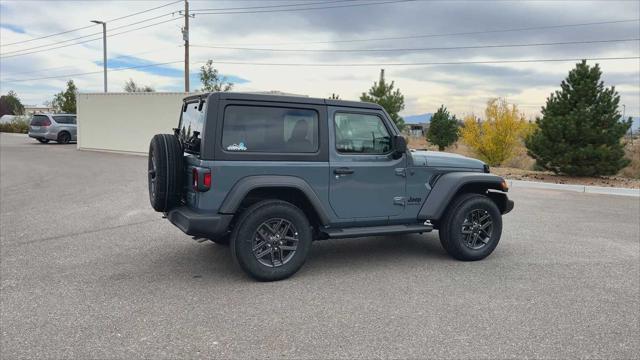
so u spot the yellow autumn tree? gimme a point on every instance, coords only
(496, 137)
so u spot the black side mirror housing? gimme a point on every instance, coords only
(399, 146)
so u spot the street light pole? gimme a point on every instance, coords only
(185, 37)
(104, 49)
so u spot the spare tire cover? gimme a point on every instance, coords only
(165, 172)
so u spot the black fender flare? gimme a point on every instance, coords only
(448, 185)
(245, 185)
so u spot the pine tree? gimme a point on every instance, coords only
(382, 94)
(443, 128)
(580, 131)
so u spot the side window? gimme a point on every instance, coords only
(64, 119)
(269, 129)
(361, 134)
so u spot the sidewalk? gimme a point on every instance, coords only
(575, 188)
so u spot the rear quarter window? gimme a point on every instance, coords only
(263, 129)
(64, 119)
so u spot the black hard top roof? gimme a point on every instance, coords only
(285, 98)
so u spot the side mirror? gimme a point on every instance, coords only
(399, 146)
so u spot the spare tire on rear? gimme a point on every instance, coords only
(165, 172)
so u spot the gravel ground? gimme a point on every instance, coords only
(88, 270)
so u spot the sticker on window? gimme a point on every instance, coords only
(237, 147)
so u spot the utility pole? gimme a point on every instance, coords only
(185, 37)
(624, 111)
(104, 49)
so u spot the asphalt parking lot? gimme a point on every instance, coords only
(88, 270)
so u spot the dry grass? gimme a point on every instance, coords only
(520, 166)
(632, 150)
(17, 125)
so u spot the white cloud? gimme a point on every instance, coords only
(463, 89)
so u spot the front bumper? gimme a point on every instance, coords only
(508, 206)
(200, 224)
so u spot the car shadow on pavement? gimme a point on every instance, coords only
(51, 143)
(374, 251)
(214, 263)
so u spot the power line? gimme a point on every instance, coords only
(88, 26)
(305, 9)
(89, 40)
(95, 72)
(448, 34)
(275, 6)
(111, 59)
(418, 49)
(81, 37)
(338, 65)
(425, 63)
(159, 7)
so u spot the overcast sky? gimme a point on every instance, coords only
(462, 88)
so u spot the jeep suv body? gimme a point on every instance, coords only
(269, 174)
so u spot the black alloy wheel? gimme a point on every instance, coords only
(471, 227)
(64, 138)
(477, 228)
(271, 239)
(275, 242)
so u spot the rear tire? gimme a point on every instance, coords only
(63, 138)
(471, 227)
(43, 140)
(277, 230)
(165, 173)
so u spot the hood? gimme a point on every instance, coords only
(443, 159)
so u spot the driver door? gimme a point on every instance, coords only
(365, 181)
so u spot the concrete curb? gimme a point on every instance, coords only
(575, 188)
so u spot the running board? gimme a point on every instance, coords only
(376, 230)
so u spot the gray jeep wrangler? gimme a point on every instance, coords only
(269, 174)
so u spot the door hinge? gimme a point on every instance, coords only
(401, 172)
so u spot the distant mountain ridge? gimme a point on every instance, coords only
(417, 119)
(426, 117)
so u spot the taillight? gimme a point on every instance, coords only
(46, 122)
(201, 179)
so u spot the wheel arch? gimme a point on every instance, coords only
(453, 184)
(292, 189)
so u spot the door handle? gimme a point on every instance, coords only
(343, 171)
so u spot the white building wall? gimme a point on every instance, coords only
(125, 122)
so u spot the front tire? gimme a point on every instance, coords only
(471, 227)
(271, 240)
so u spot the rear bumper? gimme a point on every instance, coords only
(199, 224)
(43, 135)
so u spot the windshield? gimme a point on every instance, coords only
(191, 124)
